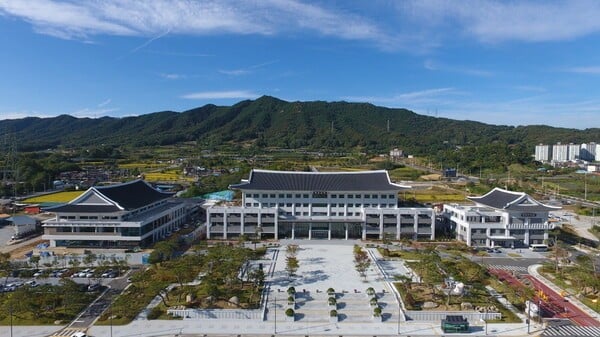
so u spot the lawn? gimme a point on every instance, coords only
(64, 196)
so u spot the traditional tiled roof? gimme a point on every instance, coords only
(265, 180)
(516, 201)
(113, 198)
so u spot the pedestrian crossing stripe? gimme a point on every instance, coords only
(508, 268)
(67, 332)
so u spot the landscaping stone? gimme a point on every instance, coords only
(430, 305)
(466, 306)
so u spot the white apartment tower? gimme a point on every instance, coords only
(543, 153)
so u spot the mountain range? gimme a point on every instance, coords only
(271, 122)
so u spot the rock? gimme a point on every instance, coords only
(430, 305)
(466, 306)
(189, 298)
(58, 322)
(234, 301)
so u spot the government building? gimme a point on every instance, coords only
(319, 205)
(132, 214)
(501, 218)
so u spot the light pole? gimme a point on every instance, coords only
(399, 311)
(275, 311)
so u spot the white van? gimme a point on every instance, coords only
(79, 334)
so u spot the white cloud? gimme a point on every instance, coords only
(592, 70)
(407, 99)
(93, 112)
(496, 21)
(105, 103)
(247, 70)
(231, 94)
(172, 76)
(74, 19)
(471, 71)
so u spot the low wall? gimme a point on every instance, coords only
(217, 313)
(437, 316)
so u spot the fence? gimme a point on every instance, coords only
(433, 316)
(217, 313)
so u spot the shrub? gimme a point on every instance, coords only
(332, 301)
(291, 299)
(370, 291)
(330, 291)
(373, 301)
(291, 290)
(289, 312)
(333, 313)
(155, 313)
(377, 312)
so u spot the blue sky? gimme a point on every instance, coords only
(499, 62)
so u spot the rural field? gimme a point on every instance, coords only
(64, 196)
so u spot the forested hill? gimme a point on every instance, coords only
(268, 121)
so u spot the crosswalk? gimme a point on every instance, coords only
(67, 332)
(519, 269)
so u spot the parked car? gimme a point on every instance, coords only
(93, 287)
(106, 273)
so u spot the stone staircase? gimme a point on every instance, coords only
(351, 307)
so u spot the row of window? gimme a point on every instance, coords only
(88, 217)
(321, 195)
(281, 204)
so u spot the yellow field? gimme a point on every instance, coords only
(142, 166)
(54, 197)
(433, 198)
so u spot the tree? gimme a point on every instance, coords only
(362, 262)
(291, 265)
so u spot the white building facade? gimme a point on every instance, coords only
(560, 152)
(319, 205)
(501, 218)
(543, 153)
(127, 215)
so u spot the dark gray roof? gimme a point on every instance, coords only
(515, 201)
(318, 181)
(131, 195)
(74, 208)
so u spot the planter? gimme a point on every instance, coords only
(376, 318)
(291, 291)
(370, 292)
(333, 316)
(331, 292)
(290, 315)
(373, 302)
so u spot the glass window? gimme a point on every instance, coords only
(272, 195)
(392, 196)
(334, 196)
(384, 196)
(288, 196)
(350, 196)
(305, 196)
(357, 196)
(265, 195)
(367, 196)
(298, 195)
(281, 196)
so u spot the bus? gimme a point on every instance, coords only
(536, 247)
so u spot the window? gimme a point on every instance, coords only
(298, 204)
(357, 196)
(281, 204)
(288, 196)
(255, 204)
(255, 195)
(319, 205)
(374, 196)
(305, 196)
(248, 204)
(367, 205)
(298, 196)
(272, 195)
(289, 204)
(281, 196)
(334, 196)
(384, 196)
(392, 196)
(265, 195)
(350, 196)
(304, 205)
